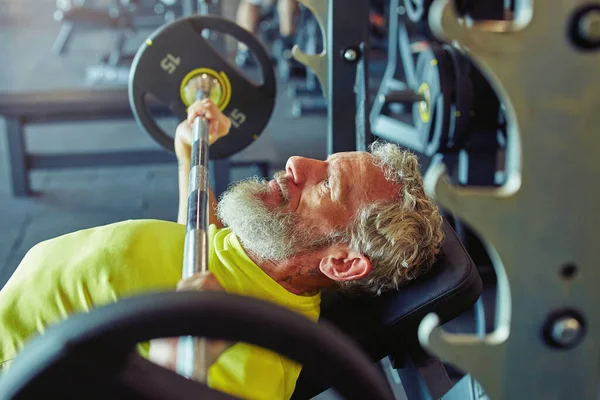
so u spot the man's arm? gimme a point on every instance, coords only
(219, 126)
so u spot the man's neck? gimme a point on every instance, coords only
(299, 275)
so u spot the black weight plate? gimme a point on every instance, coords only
(173, 53)
(432, 116)
(463, 98)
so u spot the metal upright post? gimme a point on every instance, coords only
(19, 172)
(363, 134)
(348, 32)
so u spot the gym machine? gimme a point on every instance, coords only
(342, 71)
(308, 97)
(425, 102)
(539, 225)
(507, 152)
(123, 17)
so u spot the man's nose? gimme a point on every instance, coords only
(303, 170)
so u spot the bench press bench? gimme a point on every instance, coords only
(386, 326)
(22, 109)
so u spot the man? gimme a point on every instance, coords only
(357, 222)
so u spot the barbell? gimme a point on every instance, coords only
(177, 66)
(175, 55)
(93, 353)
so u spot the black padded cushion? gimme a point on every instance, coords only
(385, 324)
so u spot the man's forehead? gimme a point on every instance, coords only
(359, 164)
(364, 176)
(348, 156)
(352, 162)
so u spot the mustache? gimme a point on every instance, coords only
(283, 183)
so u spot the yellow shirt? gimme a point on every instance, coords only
(89, 268)
(243, 370)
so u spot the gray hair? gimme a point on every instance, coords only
(401, 237)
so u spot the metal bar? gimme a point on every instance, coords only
(315, 106)
(192, 354)
(304, 89)
(312, 30)
(479, 315)
(400, 132)
(120, 158)
(115, 57)
(388, 77)
(87, 15)
(348, 28)
(403, 96)
(147, 21)
(63, 38)
(405, 52)
(117, 158)
(363, 134)
(73, 105)
(92, 114)
(15, 136)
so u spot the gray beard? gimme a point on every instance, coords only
(271, 234)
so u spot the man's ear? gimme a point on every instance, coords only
(342, 263)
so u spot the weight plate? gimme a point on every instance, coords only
(176, 53)
(463, 98)
(431, 116)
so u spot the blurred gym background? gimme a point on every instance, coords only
(82, 50)
(58, 46)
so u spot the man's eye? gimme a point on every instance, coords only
(326, 183)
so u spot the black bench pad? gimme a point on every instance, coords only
(387, 324)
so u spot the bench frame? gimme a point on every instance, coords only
(20, 110)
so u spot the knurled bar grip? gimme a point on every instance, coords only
(192, 353)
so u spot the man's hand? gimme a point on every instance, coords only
(219, 126)
(200, 281)
(206, 281)
(164, 351)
